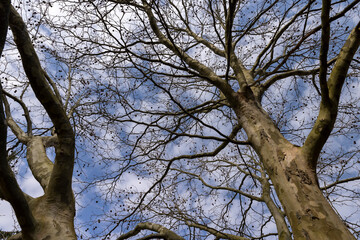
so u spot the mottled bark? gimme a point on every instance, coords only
(295, 181)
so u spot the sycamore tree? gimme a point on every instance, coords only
(192, 119)
(231, 119)
(50, 216)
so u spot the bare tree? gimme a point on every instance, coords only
(251, 92)
(50, 216)
(213, 119)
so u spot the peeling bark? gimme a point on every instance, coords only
(309, 213)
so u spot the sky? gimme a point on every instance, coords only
(293, 104)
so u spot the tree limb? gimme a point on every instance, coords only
(15, 128)
(340, 182)
(59, 187)
(4, 19)
(203, 70)
(9, 188)
(215, 232)
(328, 112)
(325, 38)
(163, 231)
(26, 112)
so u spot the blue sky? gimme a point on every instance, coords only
(133, 108)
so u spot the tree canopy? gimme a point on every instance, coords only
(182, 119)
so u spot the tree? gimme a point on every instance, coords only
(224, 113)
(50, 216)
(207, 59)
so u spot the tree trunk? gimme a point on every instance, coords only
(295, 182)
(52, 215)
(309, 213)
(55, 221)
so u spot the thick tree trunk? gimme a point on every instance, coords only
(309, 213)
(52, 214)
(55, 221)
(311, 216)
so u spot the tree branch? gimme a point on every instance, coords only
(215, 232)
(4, 19)
(163, 231)
(26, 112)
(39, 163)
(340, 182)
(278, 33)
(328, 112)
(230, 189)
(306, 36)
(325, 38)
(9, 188)
(59, 187)
(280, 222)
(203, 70)
(17, 131)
